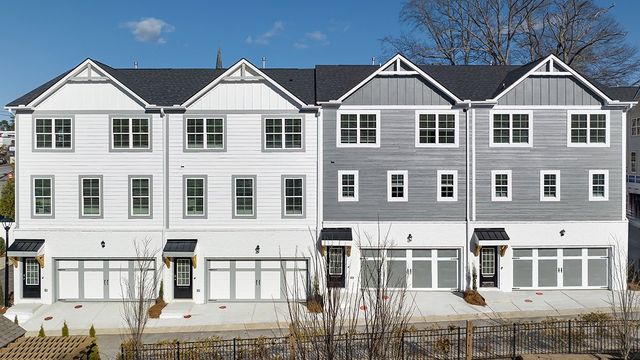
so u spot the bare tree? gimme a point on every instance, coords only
(139, 294)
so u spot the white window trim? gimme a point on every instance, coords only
(150, 196)
(339, 114)
(405, 185)
(635, 123)
(205, 133)
(185, 199)
(282, 133)
(633, 163)
(607, 115)
(356, 183)
(455, 185)
(511, 113)
(509, 185)
(340, 250)
(558, 183)
(606, 185)
(437, 112)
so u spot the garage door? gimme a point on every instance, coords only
(560, 268)
(250, 280)
(414, 269)
(97, 279)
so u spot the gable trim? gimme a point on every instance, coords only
(78, 69)
(569, 72)
(414, 69)
(242, 64)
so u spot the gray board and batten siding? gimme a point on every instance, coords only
(398, 90)
(550, 90)
(549, 152)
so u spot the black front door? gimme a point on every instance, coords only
(30, 278)
(182, 276)
(489, 266)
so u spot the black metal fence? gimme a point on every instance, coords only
(482, 342)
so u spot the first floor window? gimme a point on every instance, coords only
(447, 185)
(549, 185)
(205, 133)
(336, 261)
(633, 161)
(511, 129)
(358, 129)
(283, 133)
(53, 133)
(588, 128)
(348, 185)
(195, 192)
(43, 196)
(397, 185)
(598, 185)
(501, 185)
(244, 196)
(140, 196)
(130, 133)
(91, 194)
(293, 196)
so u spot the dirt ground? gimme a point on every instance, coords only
(568, 357)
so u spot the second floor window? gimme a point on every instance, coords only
(348, 185)
(358, 129)
(53, 133)
(91, 194)
(549, 185)
(130, 133)
(195, 192)
(598, 185)
(633, 161)
(436, 129)
(43, 196)
(511, 129)
(447, 185)
(282, 133)
(397, 185)
(501, 185)
(635, 127)
(205, 133)
(140, 202)
(588, 129)
(244, 197)
(293, 200)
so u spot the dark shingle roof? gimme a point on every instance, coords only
(25, 245)
(337, 234)
(9, 331)
(31, 95)
(490, 234)
(622, 93)
(180, 245)
(333, 81)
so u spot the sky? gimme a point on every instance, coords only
(41, 39)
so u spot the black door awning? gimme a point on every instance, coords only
(26, 248)
(180, 248)
(490, 236)
(336, 236)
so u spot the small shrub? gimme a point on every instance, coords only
(2, 245)
(41, 332)
(15, 320)
(95, 352)
(161, 291)
(443, 345)
(595, 317)
(65, 330)
(92, 332)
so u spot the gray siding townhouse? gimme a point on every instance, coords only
(633, 151)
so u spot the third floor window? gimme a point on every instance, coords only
(358, 129)
(511, 129)
(53, 133)
(205, 133)
(130, 133)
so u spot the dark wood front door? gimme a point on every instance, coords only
(489, 266)
(30, 278)
(182, 278)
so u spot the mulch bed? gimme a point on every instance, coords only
(156, 309)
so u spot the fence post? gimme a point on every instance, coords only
(469, 338)
(177, 350)
(234, 349)
(513, 342)
(122, 352)
(347, 352)
(459, 335)
(569, 336)
(402, 344)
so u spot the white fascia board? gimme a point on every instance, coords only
(75, 72)
(412, 66)
(230, 71)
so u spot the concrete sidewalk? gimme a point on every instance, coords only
(185, 317)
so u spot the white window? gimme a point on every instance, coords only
(397, 185)
(501, 185)
(447, 185)
(436, 129)
(598, 185)
(244, 190)
(549, 185)
(588, 128)
(205, 133)
(91, 196)
(43, 196)
(183, 272)
(635, 127)
(336, 258)
(31, 272)
(348, 185)
(195, 196)
(511, 128)
(53, 133)
(632, 159)
(130, 133)
(358, 129)
(282, 133)
(140, 202)
(293, 196)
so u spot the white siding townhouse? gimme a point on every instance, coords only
(517, 172)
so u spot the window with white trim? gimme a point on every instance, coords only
(549, 185)
(293, 196)
(140, 201)
(53, 133)
(282, 133)
(436, 129)
(244, 196)
(588, 129)
(130, 133)
(632, 159)
(335, 261)
(195, 192)
(42, 196)
(511, 129)
(348, 185)
(397, 185)
(91, 196)
(358, 129)
(501, 185)
(598, 185)
(31, 272)
(447, 185)
(205, 133)
(635, 127)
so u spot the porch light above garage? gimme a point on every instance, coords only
(180, 248)
(26, 248)
(490, 237)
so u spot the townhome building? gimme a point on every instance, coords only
(238, 176)
(633, 150)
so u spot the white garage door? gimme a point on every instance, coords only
(263, 279)
(97, 279)
(414, 269)
(560, 268)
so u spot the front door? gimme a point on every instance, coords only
(489, 266)
(30, 278)
(182, 275)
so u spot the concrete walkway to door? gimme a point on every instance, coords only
(220, 316)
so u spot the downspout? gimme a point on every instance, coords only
(165, 174)
(468, 202)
